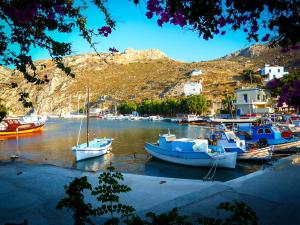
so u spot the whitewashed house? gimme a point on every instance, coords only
(196, 73)
(253, 101)
(193, 88)
(269, 72)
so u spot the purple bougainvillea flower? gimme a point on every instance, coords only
(149, 15)
(266, 37)
(223, 32)
(113, 50)
(159, 22)
(105, 31)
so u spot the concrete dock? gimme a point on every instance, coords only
(31, 191)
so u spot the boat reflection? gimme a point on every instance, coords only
(25, 135)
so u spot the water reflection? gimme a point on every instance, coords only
(54, 144)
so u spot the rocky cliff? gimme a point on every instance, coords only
(130, 75)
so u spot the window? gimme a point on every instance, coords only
(245, 98)
(268, 131)
(270, 70)
(258, 97)
(260, 131)
(274, 76)
(278, 70)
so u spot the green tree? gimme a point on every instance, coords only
(239, 213)
(107, 193)
(250, 76)
(227, 103)
(75, 202)
(194, 104)
(127, 107)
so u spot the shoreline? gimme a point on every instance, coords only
(31, 191)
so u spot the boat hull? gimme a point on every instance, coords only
(227, 160)
(82, 152)
(31, 130)
(257, 154)
(289, 146)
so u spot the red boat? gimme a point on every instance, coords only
(14, 126)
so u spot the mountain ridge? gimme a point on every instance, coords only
(133, 75)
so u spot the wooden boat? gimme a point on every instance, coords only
(90, 149)
(15, 127)
(191, 152)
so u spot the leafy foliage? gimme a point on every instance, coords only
(75, 201)
(127, 107)
(27, 24)
(227, 103)
(191, 104)
(107, 193)
(210, 18)
(250, 76)
(240, 214)
(287, 88)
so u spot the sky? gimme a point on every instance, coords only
(135, 30)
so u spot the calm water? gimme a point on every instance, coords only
(53, 146)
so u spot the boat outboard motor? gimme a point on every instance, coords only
(263, 142)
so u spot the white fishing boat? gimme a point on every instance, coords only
(90, 149)
(231, 143)
(192, 152)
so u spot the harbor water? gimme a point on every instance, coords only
(53, 146)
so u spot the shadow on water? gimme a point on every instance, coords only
(54, 145)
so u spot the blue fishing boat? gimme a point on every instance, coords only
(231, 143)
(270, 135)
(192, 152)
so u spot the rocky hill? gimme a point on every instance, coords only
(132, 75)
(257, 55)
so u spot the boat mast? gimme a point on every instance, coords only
(87, 117)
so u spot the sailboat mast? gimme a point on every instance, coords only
(87, 117)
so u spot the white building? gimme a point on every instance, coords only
(271, 72)
(194, 88)
(252, 101)
(196, 73)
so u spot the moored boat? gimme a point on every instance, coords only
(15, 127)
(271, 135)
(231, 143)
(94, 148)
(192, 152)
(90, 149)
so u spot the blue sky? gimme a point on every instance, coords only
(134, 30)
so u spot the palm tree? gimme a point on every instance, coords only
(227, 103)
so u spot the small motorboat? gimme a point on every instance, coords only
(270, 135)
(231, 143)
(13, 126)
(192, 152)
(94, 148)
